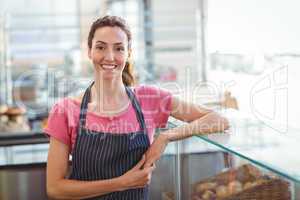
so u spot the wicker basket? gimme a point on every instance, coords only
(243, 183)
(168, 196)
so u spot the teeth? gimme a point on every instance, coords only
(108, 66)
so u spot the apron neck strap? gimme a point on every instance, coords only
(137, 109)
(131, 95)
(84, 106)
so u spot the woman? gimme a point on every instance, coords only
(109, 130)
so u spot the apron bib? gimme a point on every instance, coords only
(100, 156)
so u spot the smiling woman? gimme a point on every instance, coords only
(109, 50)
(109, 129)
(109, 43)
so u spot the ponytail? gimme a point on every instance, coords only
(128, 75)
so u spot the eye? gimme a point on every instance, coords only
(100, 47)
(120, 48)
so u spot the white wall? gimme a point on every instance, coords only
(254, 25)
(175, 28)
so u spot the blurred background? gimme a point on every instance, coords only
(249, 48)
(243, 55)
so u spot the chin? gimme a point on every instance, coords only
(109, 75)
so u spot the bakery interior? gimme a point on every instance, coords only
(239, 58)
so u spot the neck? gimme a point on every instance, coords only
(109, 95)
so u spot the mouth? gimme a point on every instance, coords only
(108, 67)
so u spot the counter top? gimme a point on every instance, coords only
(37, 153)
(261, 144)
(22, 138)
(21, 155)
(247, 138)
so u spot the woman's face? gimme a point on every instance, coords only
(109, 52)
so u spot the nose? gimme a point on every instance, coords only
(109, 55)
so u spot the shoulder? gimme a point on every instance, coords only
(153, 97)
(64, 105)
(150, 91)
(156, 102)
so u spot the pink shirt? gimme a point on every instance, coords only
(64, 116)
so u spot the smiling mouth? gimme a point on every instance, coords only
(108, 67)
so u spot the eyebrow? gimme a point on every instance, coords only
(101, 42)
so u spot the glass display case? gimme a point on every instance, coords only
(250, 161)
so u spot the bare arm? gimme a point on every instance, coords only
(186, 111)
(201, 121)
(58, 187)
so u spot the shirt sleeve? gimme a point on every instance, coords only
(57, 125)
(158, 103)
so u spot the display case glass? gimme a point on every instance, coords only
(250, 161)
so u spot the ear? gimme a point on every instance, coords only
(129, 53)
(89, 53)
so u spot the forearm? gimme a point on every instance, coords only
(74, 189)
(209, 123)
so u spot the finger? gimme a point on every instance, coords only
(148, 170)
(140, 164)
(149, 182)
(154, 165)
(150, 162)
(141, 186)
(151, 165)
(152, 168)
(147, 165)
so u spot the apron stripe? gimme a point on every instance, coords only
(99, 156)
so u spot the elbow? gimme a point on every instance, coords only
(219, 122)
(53, 192)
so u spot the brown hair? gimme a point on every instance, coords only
(112, 21)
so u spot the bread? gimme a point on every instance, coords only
(207, 195)
(254, 172)
(168, 196)
(221, 191)
(234, 187)
(244, 182)
(15, 111)
(205, 186)
(195, 197)
(15, 127)
(4, 119)
(3, 109)
(19, 119)
(247, 185)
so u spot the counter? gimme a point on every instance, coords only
(199, 158)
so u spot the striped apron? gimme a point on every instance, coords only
(100, 156)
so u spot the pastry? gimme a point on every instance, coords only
(15, 127)
(195, 197)
(259, 181)
(15, 111)
(221, 191)
(234, 187)
(208, 195)
(247, 185)
(3, 109)
(253, 171)
(168, 196)
(205, 186)
(19, 119)
(4, 119)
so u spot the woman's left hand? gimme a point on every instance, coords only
(156, 150)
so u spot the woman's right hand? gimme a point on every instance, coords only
(59, 187)
(137, 177)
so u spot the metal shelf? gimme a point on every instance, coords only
(22, 138)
